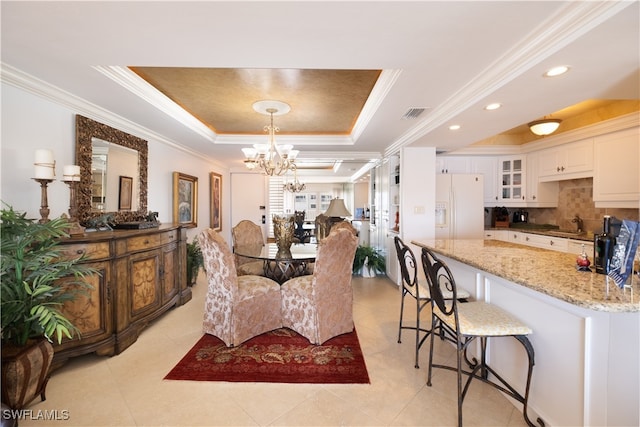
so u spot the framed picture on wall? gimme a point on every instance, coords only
(185, 199)
(215, 210)
(126, 188)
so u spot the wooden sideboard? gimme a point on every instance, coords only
(142, 275)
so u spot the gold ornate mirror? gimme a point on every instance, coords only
(92, 142)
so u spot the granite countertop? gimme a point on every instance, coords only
(549, 272)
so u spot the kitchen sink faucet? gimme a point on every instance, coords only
(579, 223)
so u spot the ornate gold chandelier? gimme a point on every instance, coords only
(273, 159)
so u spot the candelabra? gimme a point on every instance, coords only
(44, 204)
(44, 173)
(71, 177)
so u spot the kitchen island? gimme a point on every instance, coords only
(586, 330)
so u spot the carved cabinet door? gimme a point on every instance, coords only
(145, 272)
(169, 272)
(90, 312)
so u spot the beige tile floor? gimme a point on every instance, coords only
(129, 390)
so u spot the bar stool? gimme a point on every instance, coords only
(462, 324)
(420, 293)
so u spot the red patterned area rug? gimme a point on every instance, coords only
(280, 356)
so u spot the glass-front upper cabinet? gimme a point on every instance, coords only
(512, 176)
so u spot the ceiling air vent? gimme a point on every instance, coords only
(413, 113)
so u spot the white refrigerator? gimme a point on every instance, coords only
(459, 206)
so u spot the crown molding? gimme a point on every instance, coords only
(627, 121)
(380, 90)
(142, 89)
(297, 140)
(35, 86)
(571, 21)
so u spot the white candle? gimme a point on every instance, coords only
(44, 157)
(44, 165)
(71, 173)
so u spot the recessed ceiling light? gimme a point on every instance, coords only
(556, 71)
(454, 127)
(493, 106)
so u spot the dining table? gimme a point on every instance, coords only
(282, 265)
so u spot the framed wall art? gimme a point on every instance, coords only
(216, 201)
(126, 191)
(185, 199)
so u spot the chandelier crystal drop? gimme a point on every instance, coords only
(273, 159)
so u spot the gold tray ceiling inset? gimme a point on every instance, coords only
(323, 102)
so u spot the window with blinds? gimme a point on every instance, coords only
(276, 200)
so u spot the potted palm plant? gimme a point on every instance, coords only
(36, 280)
(368, 261)
(195, 262)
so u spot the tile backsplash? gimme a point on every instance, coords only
(576, 197)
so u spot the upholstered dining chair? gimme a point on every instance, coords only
(464, 324)
(320, 306)
(323, 226)
(418, 290)
(247, 238)
(344, 224)
(236, 307)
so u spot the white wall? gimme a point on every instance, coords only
(418, 193)
(30, 123)
(250, 190)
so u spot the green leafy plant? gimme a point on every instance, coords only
(33, 267)
(195, 261)
(376, 259)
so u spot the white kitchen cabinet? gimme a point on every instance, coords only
(539, 194)
(512, 180)
(515, 237)
(546, 242)
(488, 167)
(452, 164)
(495, 234)
(541, 241)
(615, 178)
(566, 161)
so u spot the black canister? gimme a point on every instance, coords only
(603, 247)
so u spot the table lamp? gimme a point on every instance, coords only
(337, 210)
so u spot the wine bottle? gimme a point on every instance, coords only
(603, 247)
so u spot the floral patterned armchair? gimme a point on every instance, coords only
(247, 237)
(320, 306)
(236, 307)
